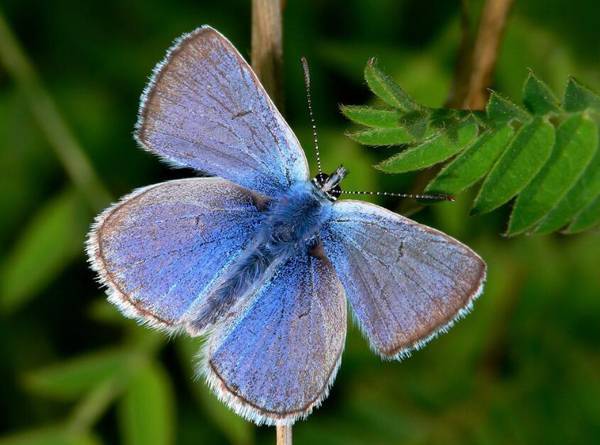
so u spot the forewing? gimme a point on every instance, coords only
(405, 281)
(205, 108)
(276, 363)
(160, 249)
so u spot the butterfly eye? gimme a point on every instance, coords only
(320, 179)
(336, 192)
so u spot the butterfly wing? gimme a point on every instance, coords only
(405, 281)
(276, 362)
(205, 108)
(159, 249)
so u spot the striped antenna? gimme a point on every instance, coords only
(310, 111)
(430, 197)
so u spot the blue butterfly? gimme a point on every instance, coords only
(258, 257)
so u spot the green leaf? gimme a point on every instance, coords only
(579, 197)
(236, 429)
(440, 148)
(73, 378)
(382, 136)
(502, 111)
(508, 159)
(52, 239)
(418, 124)
(578, 97)
(537, 97)
(146, 411)
(522, 160)
(49, 436)
(386, 89)
(586, 219)
(103, 311)
(576, 143)
(443, 118)
(371, 117)
(472, 165)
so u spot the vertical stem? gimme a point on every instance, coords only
(267, 49)
(284, 435)
(94, 405)
(45, 112)
(473, 75)
(472, 81)
(267, 56)
(462, 66)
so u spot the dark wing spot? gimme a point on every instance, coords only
(304, 314)
(241, 114)
(400, 250)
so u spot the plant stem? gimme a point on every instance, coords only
(478, 58)
(267, 49)
(267, 57)
(92, 407)
(284, 434)
(473, 75)
(66, 147)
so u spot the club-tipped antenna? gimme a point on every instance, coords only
(310, 111)
(425, 196)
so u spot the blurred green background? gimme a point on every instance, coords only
(523, 368)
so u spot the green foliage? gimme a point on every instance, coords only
(382, 136)
(473, 163)
(545, 155)
(237, 430)
(522, 160)
(72, 379)
(97, 380)
(372, 117)
(576, 142)
(146, 411)
(436, 149)
(383, 86)
(53, 237)
(502, 111)
(579, 97)
(538, 98)
(577, 199)
(49, 436)
(586, 219)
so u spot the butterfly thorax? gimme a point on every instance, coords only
(295, 218)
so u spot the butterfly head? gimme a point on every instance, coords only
(329, 185)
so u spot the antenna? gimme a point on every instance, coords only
(430, 197)
(310, 111)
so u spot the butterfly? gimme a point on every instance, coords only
(258, 257)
